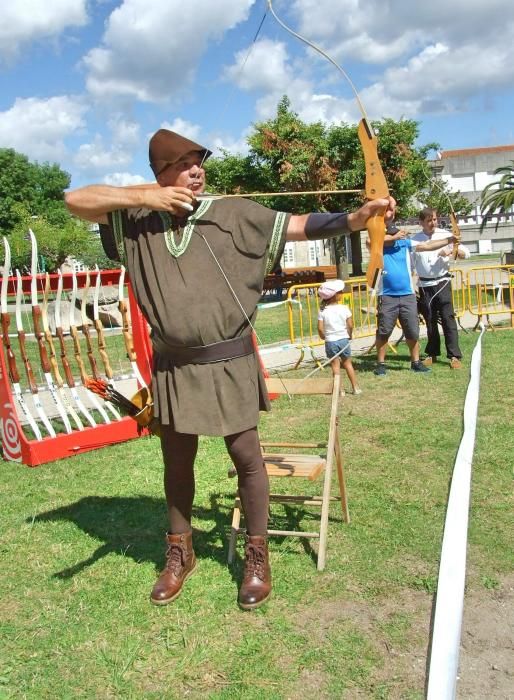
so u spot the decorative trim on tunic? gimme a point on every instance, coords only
(276, 239)
(117, 225)
(176, 249)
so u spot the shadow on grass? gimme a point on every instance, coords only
(129, 525)
(394, 363)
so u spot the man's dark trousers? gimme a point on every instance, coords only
(436, 302)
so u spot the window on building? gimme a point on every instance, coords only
(314, 253)
(77, 265)
(288, 258)
(462, 183)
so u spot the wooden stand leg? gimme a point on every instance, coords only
(236, 520)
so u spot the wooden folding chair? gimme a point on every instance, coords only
(307, 466)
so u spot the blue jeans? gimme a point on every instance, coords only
(339, 347)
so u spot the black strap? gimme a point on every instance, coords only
(447, 276)
(109, 242)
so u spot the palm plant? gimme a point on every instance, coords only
(498, 196)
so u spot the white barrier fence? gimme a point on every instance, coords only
(446, 633)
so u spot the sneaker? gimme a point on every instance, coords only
(418, 366)
(455, 363)
(380, 370)
(429, 361)
(357, 391)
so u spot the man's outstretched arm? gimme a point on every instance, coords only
(312, 227)
(94, 202)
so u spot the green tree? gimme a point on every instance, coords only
(498, 196)
(38, 188)
(55, 243)
(288, 154)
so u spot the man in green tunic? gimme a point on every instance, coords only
(197, 267)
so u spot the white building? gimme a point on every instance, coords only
(466, 170)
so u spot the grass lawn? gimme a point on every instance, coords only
(82, 540)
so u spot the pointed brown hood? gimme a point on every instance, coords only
(167, 147)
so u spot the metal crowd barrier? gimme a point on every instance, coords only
(489, 292)
(481, 291)
(303, 316)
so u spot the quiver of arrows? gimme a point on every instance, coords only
(145, 417)
(139, 407)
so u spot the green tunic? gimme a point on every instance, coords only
(187, 301)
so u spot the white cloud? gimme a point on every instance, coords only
(38, 127)
(371, 31)
(184, 128)
(123, 179)
(96, 157)
(264, 67)
(24, 21)
(433, 58)
(150, 49)
(219, 144)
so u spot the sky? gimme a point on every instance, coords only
(84, 83)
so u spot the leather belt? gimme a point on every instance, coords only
(205, 354)
(435, 279)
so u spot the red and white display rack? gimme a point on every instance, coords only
(16, 445)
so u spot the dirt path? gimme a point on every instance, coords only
(486, 670)
(487, 648)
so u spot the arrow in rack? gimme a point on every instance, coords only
(26, 361)
(40, 336)
(64, 358)
(5, 318)
(127, 336)
(53, 358)
(89, 344)
(376, 184)
(78, 353)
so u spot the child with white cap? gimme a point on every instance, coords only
(335, 327)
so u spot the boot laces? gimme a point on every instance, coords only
(175, 557)
(255, 561)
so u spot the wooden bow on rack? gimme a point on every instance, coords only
(14, 374)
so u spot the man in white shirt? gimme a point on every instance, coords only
(435, 291)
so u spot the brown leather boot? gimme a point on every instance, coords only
(180, 564)
(256, 587)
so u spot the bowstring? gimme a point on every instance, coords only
(324, 54)
(238, 75)
(204, 157)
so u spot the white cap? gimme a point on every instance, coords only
(330, 287)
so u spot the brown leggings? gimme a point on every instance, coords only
(179, 452)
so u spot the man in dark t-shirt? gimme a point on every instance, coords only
(196, 265)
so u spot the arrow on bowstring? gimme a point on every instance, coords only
(375, 184)
(250, 195)
(5, 318)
